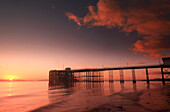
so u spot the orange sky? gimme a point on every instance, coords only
(38, 37)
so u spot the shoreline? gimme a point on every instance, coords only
(156, 98)
(150, 100)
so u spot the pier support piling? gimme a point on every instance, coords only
(93, 76)
(111, 76)
(133, 76)
(162, 72)
(121, 76)
(99, 77)
(147, 76)
(86, 76)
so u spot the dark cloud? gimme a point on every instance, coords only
(147, 17)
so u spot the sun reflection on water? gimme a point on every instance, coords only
(10, 89)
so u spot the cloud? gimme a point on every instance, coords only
(129, 63)
(73, 17)
(147, 17)
(139, 63)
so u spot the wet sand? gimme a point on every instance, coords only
(150, 100)
(141, 98)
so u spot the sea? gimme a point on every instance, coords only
(26, 96)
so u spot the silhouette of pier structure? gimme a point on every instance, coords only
(96, 75)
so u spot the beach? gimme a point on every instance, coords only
(153, 98)
(150, 100)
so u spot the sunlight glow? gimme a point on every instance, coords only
(11, 77)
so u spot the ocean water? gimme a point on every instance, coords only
(23, 96)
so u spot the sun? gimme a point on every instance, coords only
(11, 77)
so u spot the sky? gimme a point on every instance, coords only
(37, 36)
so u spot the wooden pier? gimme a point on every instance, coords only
(95, 75)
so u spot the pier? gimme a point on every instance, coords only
(96, 75)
